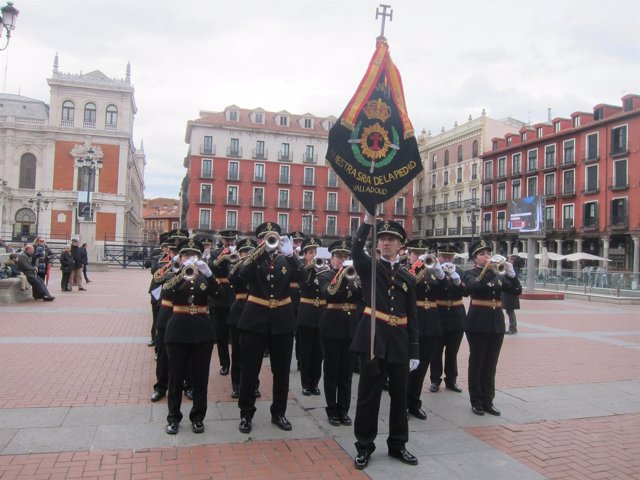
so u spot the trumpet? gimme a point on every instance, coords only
(189, 272)
(349, 272)
(318, 264)
(271, 241)
(234, 258)
(429, 261)
(495, 263)
(176, 266)
(300, 254)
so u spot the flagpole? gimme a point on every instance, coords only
(374, 263)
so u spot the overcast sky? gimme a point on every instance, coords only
(511, 57)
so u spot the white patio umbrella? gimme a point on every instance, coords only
(574, 257)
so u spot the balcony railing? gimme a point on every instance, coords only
(548, 224)
(441, 232)
(258, 202)
(259, 154)
(207, 149)
(417, 210)
(568, 162)
(259, 178)
(454, 231)
(621, 151)
(332, 207)
(332, 182)
(231, 201)
(233, 176)
(590, 190)
(354, 208)
(308, 205)
(568, 192)
(619, 221)
(313, 158)
(401, 211)
(284, 179)
(309, 182)
(591, 157)
(428, 232)
(206, 174)
(469, 230)
(590, 223)
(234, 152)
(206, 199)
(285, 156)
(284, 204)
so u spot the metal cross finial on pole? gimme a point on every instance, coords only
(383, 13)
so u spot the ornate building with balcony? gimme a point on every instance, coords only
(447, 194)
(43, 149)
(160, 215)
(245, 167)
(586, 168)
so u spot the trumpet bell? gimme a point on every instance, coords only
(234, 258)
(350, 272)
(271, 240)
(189, 273)
(429, 261)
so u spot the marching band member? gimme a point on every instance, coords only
(221, 302)
(430, 280)
(190, 334)
(452, 315)
(310, 309)
(268, 320)
(484, 325)
(337, 327)
(396, 347)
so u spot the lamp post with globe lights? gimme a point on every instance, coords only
(8, 16)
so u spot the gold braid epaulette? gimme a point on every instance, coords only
(172, 282)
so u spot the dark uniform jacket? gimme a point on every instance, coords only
(395, 299)
(427, 291)
(24, 263)
(187, 327)
(339, 323)
(220, 266)
(487, 319)
(240, 290)
(452, 316)
(309, 313)
(269, 277)
(161, 262)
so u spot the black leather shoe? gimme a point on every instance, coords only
(224, 370)
(316, 391)
(172, 428)
(306, 392)
(256, 393)
(345, 420)
(189, 393)
(418, 413)
(235, 394)
(334, 420)
(477, 410)
(282, 423)
(362, 460)
(491, 410)
(157, 396)
(434, 387)
(197, 427)
(404, 456)
(245, 425)
(83, 289)
(48, 299)
(385, 386)
(454, 387)
(152, 343)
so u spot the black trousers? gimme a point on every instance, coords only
(236, 362)
(484, 351)
(155, 308)
(200, 354)
(162, 363)
(310, 356)
(220, 315)
(368, 405)
(416, 378)
(39, 289)
(64, 282)
(449, 342)
(252, 347)
(338, 372)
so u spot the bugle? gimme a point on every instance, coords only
(349, 272)
(234, 258)
(176, 266)
(271, 241)
(189, 272)
(318, 264)
(429, 261)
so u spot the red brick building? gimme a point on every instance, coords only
(586, 167)
(245, 167)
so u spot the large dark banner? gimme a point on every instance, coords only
(372, 146)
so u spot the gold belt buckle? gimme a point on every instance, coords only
(393, 320)
(316, 302)
(273, 303)
(346, 307)
(493, 303)
(449, 303)
(193, 309)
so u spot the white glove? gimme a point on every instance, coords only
(204, 268)
(455, 278)
(437, 270)
(189, 261)
(511, 273)
(176, 257)
(286, 246)
(232, 248)
(368, 218)
(413, 364)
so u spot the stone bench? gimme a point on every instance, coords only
(11, 290)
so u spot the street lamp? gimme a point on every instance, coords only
(90, 165)
(38, 205)
(471, 216)
(7, 21)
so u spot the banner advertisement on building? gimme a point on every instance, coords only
(524, 215)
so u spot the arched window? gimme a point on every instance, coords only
(27, 171)
(474, 149)
(68, 110)
(446, 158)
(90, 115)
(459, 153)
(25, 215)
(111, 118)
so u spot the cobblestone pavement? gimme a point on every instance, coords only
(77, 375)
